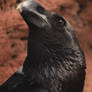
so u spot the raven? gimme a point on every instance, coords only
(55, 61)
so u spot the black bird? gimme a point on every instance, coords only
(55, 61)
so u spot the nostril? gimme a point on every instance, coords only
(40, 9)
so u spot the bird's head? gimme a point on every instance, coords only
(34, 14)
(51, 37)
(48, 25)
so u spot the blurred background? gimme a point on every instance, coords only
(14, 33)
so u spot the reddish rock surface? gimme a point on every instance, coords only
(14, 33)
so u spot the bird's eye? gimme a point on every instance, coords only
(60, 20)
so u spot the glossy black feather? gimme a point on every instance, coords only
(55, 61)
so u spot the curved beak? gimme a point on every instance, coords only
(33, 13)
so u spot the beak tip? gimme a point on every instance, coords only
(19, 8)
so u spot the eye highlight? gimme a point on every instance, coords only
(60, 20)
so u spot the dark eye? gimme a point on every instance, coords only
(60, 20)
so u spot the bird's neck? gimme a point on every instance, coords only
(40, 52)
(34, 46)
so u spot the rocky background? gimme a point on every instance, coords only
(14, 33)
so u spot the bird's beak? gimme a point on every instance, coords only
(19, 7)
(33, 13)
